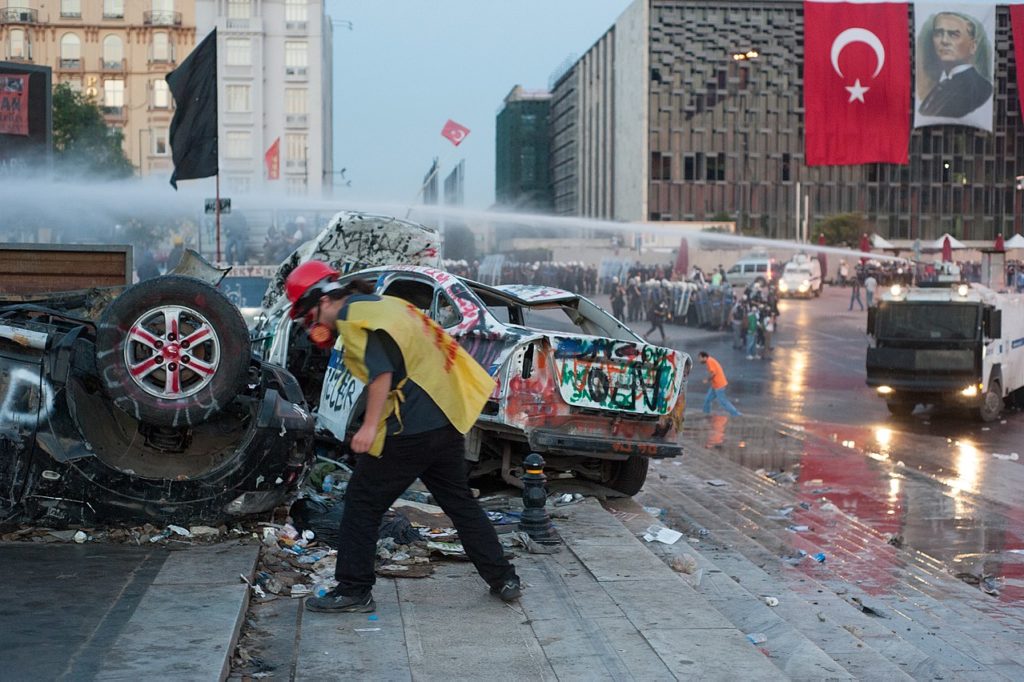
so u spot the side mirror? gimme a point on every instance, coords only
(992, 323)
(872, 311)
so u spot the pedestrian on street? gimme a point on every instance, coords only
(618, 299)
(870, 284)
(855, 293)
(421, 398)
(718, 384)
(633, 299)
(753, 323)
(659, 313)
(738, 317)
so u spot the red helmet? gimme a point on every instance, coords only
(302, 280)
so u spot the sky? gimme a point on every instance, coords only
(407, 66)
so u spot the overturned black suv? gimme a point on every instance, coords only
(142, 404)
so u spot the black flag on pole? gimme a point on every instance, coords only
(194, 126)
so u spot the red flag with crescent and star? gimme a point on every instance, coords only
(856, 83)
(455, 132)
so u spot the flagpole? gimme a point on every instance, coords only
(217, 213)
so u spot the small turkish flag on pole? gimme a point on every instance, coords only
(272, 159)
(455, 132)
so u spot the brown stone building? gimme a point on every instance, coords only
(115, 51)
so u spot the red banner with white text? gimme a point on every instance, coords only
(1017, 24)
(13, 104)
(856, 83)
(272, 160)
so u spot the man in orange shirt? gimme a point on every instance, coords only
(718, 384)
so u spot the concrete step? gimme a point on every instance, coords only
(857, 552)
(802, 644)
(971, 647)
(692, 638)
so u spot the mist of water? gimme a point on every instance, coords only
(87, 212)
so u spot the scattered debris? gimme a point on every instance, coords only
(820, 557)
(757, 638)
(799, 528)
(895, 540)
(684, 564)
(1012, 457)
(771, 601)
(662, 534)
(865, 608)
(717, 482)
(828, 507)
(81, 536)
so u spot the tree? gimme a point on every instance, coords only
(843, 228)
(83, 145)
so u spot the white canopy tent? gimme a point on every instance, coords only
(1014, 242)
(953, 242)
(879, 242)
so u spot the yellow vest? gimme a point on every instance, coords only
(433, 359)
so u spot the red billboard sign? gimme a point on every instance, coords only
(14, 104)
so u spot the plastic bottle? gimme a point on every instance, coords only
(328, 483)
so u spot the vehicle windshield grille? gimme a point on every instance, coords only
(927, 322)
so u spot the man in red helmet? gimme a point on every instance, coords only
(423, 393)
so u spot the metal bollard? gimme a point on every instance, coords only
(535, 521)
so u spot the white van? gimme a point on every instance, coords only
(801, 277)
(757, 267)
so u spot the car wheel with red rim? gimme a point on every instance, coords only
(172, 351)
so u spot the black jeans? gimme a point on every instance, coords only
(438, 459)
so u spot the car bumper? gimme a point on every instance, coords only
(547, 440)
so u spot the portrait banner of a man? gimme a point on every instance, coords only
(955, 61)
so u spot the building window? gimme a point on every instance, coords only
(162, 51)
(71, 8)
(295, 101)
(18, 47)
(295, 150)
(239, 52)
(661, 166)
(163, 5)
(716, 167)
(239, 98)
(296, 57)
(295, 11)
(689, 168)
(239, 144)
(113, 9)
(161, 94)
(113, 93)
(70, 50)
(160, 145)
(113, 52)
(237, 183)
(239, 9)
(74, 81)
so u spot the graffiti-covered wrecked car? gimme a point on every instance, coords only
(573, 383)
(142, 403)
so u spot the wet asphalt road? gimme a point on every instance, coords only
(938, 480)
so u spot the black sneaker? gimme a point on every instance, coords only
(510, 590)
(332, 602)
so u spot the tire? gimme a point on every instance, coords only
(900, 409)
(165, 377)
(991, 402)
(628, 476)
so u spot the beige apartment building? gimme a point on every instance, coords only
(117, 52)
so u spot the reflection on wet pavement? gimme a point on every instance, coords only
(936, 509)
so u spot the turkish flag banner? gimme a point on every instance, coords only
(455, 132)
(272, 160)
(856, 83)
(13, 104)
(1017, 24)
